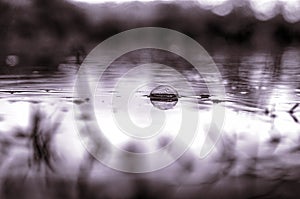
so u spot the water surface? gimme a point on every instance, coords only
(260, 133)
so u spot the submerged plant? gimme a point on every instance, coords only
(36, 142)
(39, 139)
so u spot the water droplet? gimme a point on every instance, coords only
(263, 88)
(164, 97)
(12, 60)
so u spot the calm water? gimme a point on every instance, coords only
(255, 79)
(261, 89)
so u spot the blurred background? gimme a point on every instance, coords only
(46, 32)
(255, 45)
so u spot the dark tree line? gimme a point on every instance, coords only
(44, 32)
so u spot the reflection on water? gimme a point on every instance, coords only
(257, 79)
(261, 130)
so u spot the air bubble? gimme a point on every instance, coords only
(164, 97)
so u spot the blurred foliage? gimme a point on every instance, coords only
(44, 32)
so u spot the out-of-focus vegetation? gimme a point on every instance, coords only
(41, 32)
(44, 32)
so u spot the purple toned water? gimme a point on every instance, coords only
(258, 155)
